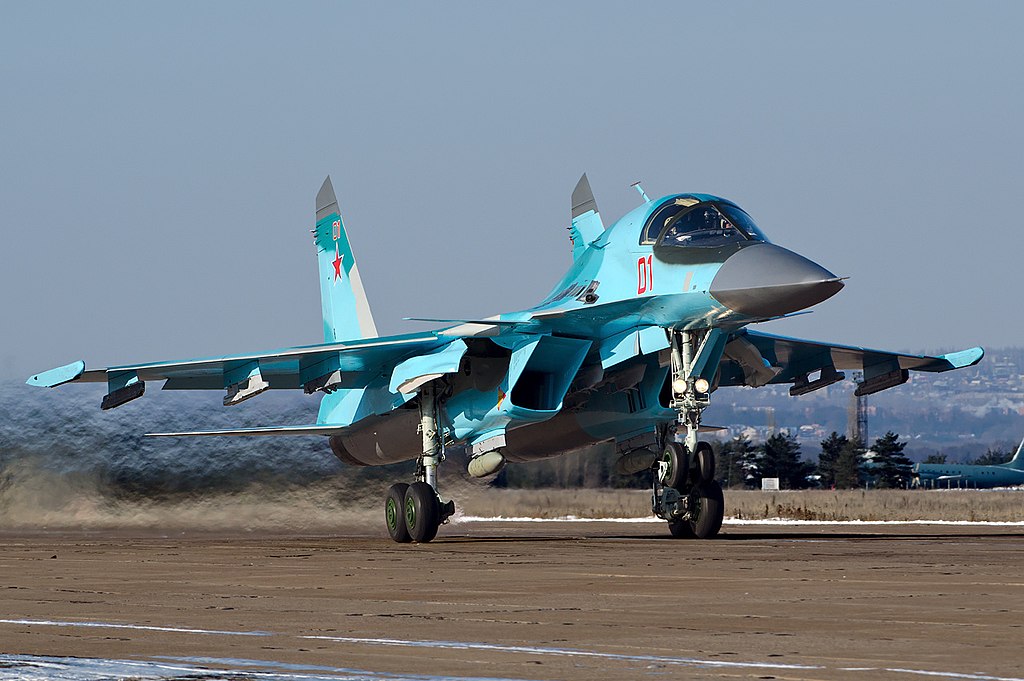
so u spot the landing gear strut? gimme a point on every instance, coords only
(685, 492)
(414, 512)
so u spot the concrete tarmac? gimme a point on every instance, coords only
(561, 600)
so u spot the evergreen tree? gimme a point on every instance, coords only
(830, 449)
(781, 459)
(732, 460)
(751, 464)
(848, 465)
(993, 457)
(892, 467)
(936, 458)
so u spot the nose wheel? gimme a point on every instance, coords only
(706, 506)
(685, 491)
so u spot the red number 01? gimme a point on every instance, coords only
(645, 274)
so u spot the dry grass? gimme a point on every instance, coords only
(974, 505)
(555, 503)
(33, 498)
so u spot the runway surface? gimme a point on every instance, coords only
(564, 600)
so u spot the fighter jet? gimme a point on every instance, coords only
(937, 475)
(651, 318)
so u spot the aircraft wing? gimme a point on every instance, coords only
(792, 360)
(329, 366)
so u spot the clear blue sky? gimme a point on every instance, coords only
(159, 161)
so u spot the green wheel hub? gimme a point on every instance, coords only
(410, 513)
(394, 513)
(391, 512)
(676, 460)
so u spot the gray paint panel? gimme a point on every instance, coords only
(764, 280)
(326, 202)
(583, 198)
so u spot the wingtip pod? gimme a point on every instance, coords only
(59, 376)
(965, 358)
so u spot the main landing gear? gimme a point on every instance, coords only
(414, 512)
(685, 492)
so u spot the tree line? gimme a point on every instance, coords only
(843, 463)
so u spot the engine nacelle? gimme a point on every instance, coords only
(560, 435)
(389, 439)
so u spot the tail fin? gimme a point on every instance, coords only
(1017, 461)
(346, 312)
(586, 220)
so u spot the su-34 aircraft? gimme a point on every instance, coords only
(630, 345)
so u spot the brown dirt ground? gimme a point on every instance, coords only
(843, 603)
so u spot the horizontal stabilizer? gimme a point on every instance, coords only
(315, 429)
(488, 322)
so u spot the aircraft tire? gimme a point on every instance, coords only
(678, 460)
(703, 463)
(422, 512)
(394, 513)
(681, 529)
(712, 509)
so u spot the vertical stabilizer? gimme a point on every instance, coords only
(586, 220)
(1017, 462)
(346, 312)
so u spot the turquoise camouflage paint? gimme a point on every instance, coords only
(607, 318)
(336, 295)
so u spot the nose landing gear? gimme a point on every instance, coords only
(685, 492)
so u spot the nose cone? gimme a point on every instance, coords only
(765, 280)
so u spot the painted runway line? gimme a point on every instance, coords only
(740, 521)
(144, 627)
(29, 663)
(39, 668)
(682, 661)
(952, 675)
(567, 652)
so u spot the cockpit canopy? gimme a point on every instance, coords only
(691, 221)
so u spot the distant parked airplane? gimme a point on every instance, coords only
(961, 475)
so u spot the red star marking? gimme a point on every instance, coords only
(337, 263)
